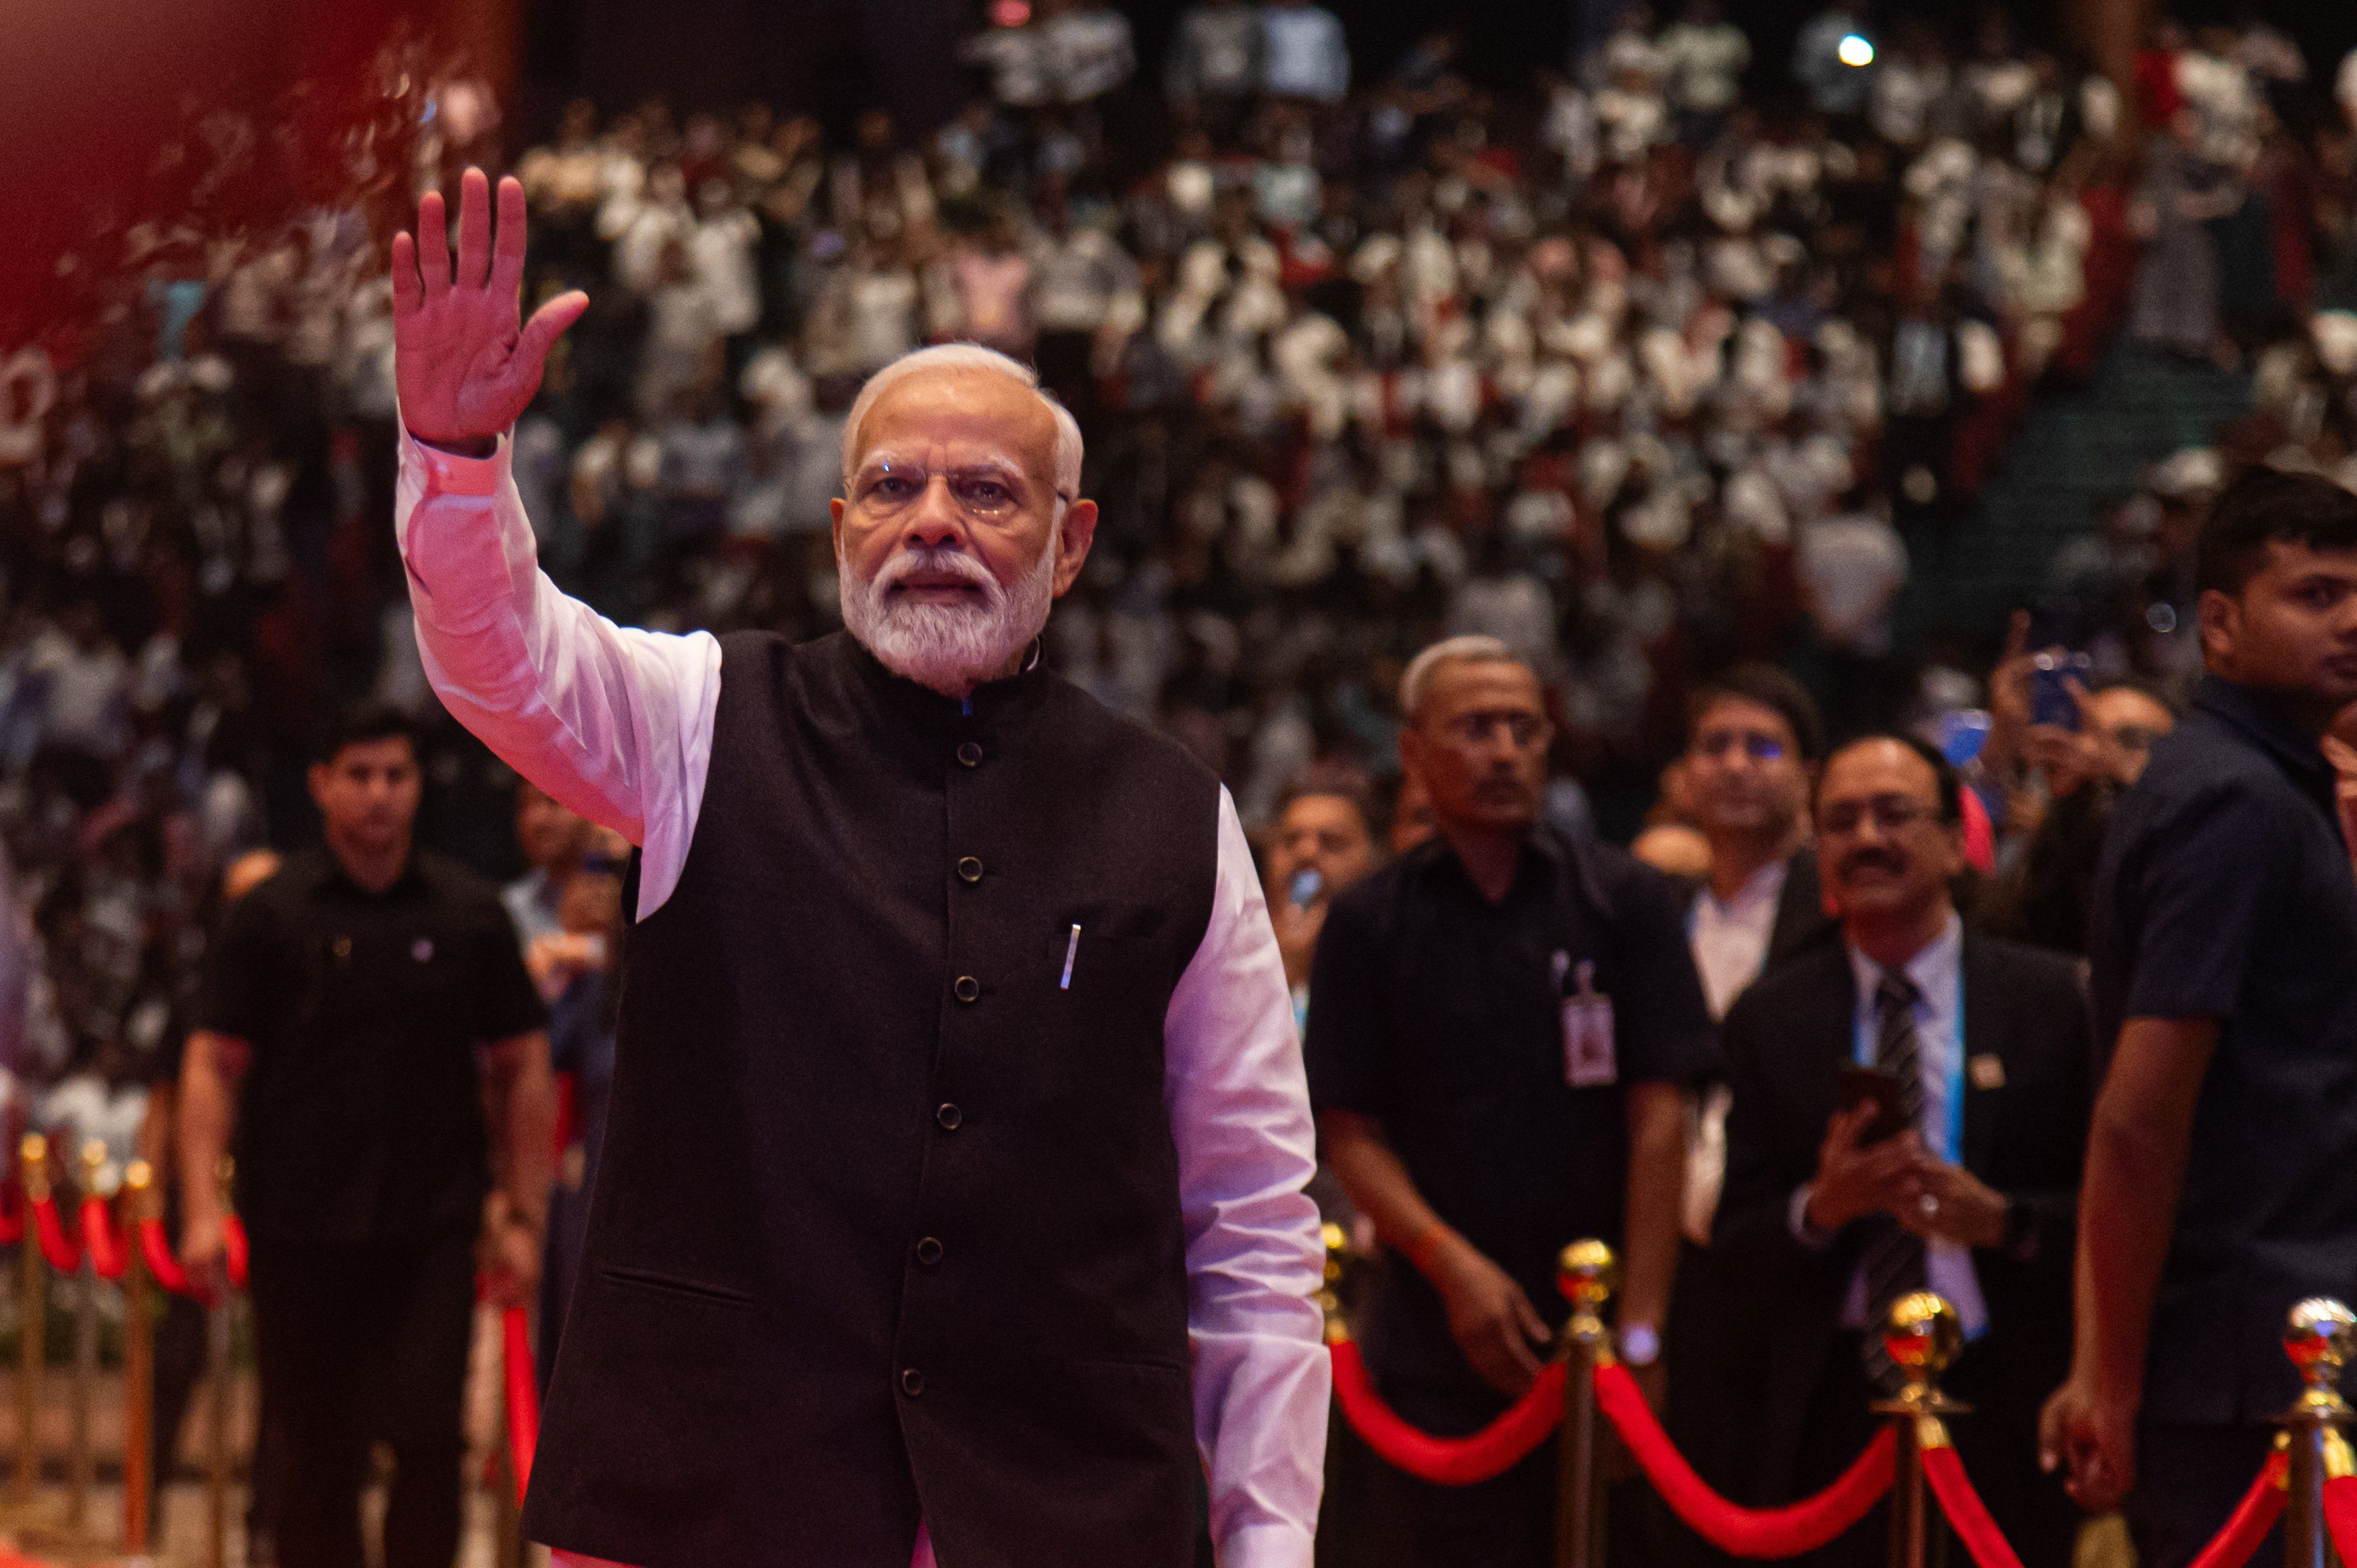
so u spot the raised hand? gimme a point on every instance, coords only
(464, 364)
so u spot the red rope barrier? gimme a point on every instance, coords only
(11, 1215)
(2252, 1517)
(524, 1399)
(1743, 1533)
(56, 1245)
(156, 1252)
(104, 1242)
(2341, 1514)
(1967, 1515)
(1447, 1461)
(234, 1251)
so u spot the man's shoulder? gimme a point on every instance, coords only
(457, 885)
(1806, 978)
(2019, 967)
(1365, 906)
(2202, 768)
(1081, 718)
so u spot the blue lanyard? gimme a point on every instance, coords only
(1953, 1133)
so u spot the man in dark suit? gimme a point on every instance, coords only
(1754, 742)
(1987, 1048)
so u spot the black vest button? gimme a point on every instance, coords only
(966, 989)
(949, 1116)
(969, 869)
(913, 1381)
(929, 1251)
(970, 753)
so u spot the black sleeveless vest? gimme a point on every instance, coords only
(888, 1221)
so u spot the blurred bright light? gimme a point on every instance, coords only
(1855, 51)
(1009, 12)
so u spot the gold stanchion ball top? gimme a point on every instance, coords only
(1924, 1335)
(34, 1151)
(1337, 1243)
(1589, 1273)
(93, 1154)
(2318, 1337)
(138, 1175)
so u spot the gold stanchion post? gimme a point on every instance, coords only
(1590, 1271)
(1329, 1296)
(2317, 1338)
(33, 1308)
(138, 1358)
(1922, 1338)
(218, 1341)
(81, 1462)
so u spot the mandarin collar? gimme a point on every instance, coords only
(990, 703)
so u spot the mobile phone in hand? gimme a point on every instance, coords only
(1878, 1087)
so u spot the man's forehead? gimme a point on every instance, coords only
(1878, 767)
(1461, 681)
(2298, 558)
(956, 413)
(1729, 711)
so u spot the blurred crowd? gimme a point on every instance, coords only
(1649, 364)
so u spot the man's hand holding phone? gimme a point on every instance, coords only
(1856, 1176)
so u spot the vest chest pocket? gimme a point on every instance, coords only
(1103, 967)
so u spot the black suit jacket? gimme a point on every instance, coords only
(1801, 922)
(1786, 1041)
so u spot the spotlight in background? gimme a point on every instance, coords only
(1854, 49)
(1009, 12)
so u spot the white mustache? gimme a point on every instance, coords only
(935, 558)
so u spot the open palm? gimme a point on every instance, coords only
(465, 363)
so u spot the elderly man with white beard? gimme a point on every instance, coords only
(952, 1204)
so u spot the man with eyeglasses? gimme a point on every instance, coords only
(1910, 1105)
(1754, 742)
(1503, 1025)
(952, 1180)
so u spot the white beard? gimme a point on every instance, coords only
(950, 648)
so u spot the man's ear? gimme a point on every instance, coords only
(1074, 534)
(834, 524)
(2218, 616)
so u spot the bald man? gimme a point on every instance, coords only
(952, 1200)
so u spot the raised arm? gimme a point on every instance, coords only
(614, 722)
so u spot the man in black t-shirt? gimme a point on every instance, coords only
(369, 1035)
(2221, 1183)
(1502, 1023)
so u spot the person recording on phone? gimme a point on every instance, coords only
(1910, 1105)
(1323, 840)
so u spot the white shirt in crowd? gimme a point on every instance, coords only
(617, 723)
(1307, 54)
(1729, 940)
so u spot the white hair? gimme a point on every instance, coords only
(970, 357)
(1416, 683)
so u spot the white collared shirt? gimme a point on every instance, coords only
(1730, 939)
(616, 723)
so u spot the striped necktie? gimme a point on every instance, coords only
(1893, 1260)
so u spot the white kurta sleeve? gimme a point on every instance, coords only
(1239, 1105)
(614, 722)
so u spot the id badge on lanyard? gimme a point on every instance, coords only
(1589, 1058)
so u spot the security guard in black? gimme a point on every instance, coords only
(360, 1118)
